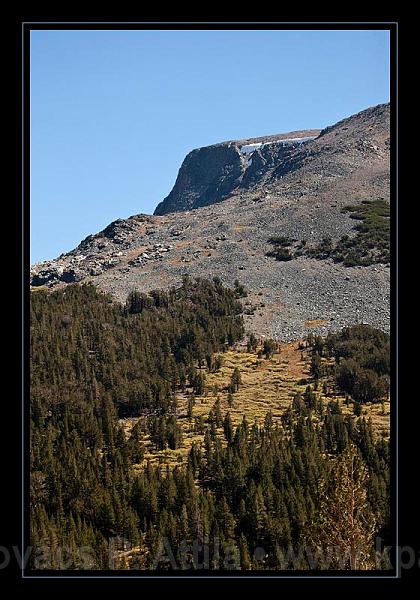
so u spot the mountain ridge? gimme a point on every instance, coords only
(297, 190)
(210, 173)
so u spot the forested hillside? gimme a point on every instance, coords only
(308, 490)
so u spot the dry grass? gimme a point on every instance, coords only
(378, 413)
(315, 323)
(267, 385)
(133, 254)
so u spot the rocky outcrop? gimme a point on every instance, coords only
(100, 252)
(209, 175)
(206, 176)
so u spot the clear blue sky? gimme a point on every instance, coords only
(113, 113)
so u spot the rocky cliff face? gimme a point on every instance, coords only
(208, 175)
(294, 189)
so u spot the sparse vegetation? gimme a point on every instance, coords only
(281, 247)
(239, 289)
(282, 241)
(370, 245)
(269, 347)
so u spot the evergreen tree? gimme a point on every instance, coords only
(228, 427)
(252, 343)
(235, 380)
(269, 348)
(191, 403)
(230, 399)
(244, 553)
(346, 521)
(316, 366)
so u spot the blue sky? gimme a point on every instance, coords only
(113, 113)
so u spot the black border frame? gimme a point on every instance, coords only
(26, 28)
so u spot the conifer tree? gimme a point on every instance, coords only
(191, 402)
(235, 380)
(345, 520)
(244, 553)
(228, 427)
(269, 348)
(252, 343)
(217, 412)
(230, 399)
(313, 474)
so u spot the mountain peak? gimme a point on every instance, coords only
(211, 173)
(229, 201)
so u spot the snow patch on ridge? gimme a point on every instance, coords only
(250, 148)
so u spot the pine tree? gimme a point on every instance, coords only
(357, 408)
(235, 380)
(228, 427)
(230, 399)
(269, 348)
(218, 362)
(345, 520)
(252, 343)
(217, 412)
(316, 366)
(191, 402)
(199, 383)
(273, 484)
(244, 553)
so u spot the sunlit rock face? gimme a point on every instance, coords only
(209, 174)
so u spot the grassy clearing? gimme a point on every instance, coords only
(267, 385)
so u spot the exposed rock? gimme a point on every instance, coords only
(292, 189)
(210, 174)
(206, 175)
